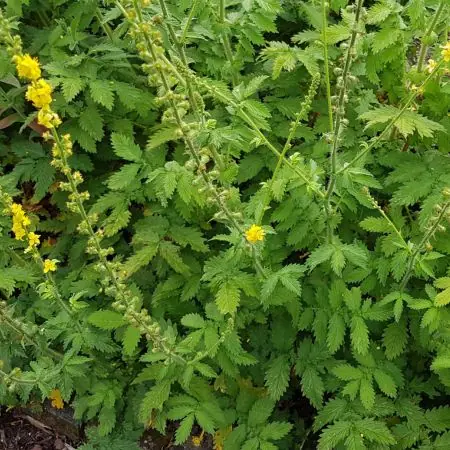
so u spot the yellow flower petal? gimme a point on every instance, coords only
(49, 265)
(197, 440)
(27, 67)
(446, 52)
(55, 397)
(39, 93)
(254, 234)
(48, 118)
(33, 239)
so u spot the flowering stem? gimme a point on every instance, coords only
(188, 21)
(340, 115)
(99, 251)
(282, 157)
(326, 64)
(189, 142)
(391, 224)
(181, 52)
(105, 26)
(421, 245)
(7, 377)
(411, 98)
(226, 42)
(21, 331)
(424, 46)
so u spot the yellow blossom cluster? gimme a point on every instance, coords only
(20, 221)
(50, 265)
(254, 234)
(39, 92)
(446, 52)
(197, 440)
(431, 65)
(55, 397)
(27, 67)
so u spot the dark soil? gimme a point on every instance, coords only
(50, 429)
(21, 431)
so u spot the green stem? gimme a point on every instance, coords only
(111, 275)
(180, 49)
(226, 42)
(287, 145)
(391, 224)
(326, 65)
(274, 150)
(424, 46)
(188, 22)
(106, 28)
(16, 380)
(421, 245)
(189, 143)
(340, 113)
(24, 334)
(391, 123)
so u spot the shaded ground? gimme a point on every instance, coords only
(22, 429)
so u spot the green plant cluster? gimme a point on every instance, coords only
(240, 227)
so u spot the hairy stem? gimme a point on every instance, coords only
(326, 65)
(226, 42)
(106, 28)
(424, 46)
(192, 11)
(187, 139)
(421, 245)
(388, 127)
(340, 115)
(103, 260)
(180, 49)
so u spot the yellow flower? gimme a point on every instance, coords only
(17, 209)
(254, 234)
(55, 397)
(48, 118)
(431, 65)
(49, 265)
(20, 221)
(446, 52)
(27, 67)
(220, 436)
(33, 239)
(39, 93)
(197, 440)
(19, 231)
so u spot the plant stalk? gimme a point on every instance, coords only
(421, 245)
(424, 46)
(340, 113)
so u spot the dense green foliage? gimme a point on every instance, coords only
(195, 122)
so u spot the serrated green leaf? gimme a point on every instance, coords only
(336, 332)
(277, 377)
(275, 430)
(367, 393)
(385, 382)
(184, 430)
(359, 334)
(395, 337)
(107, 320)
(228, 298)
(260, 411)
(193, 321)
(102, 93)
(346, 372)
(125, 147)
(131, 340)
